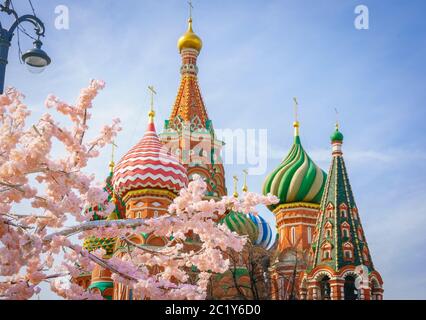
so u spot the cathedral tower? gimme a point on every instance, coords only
(189, 133)
(148, 178)
(340, 264)
(100, 278)
(298, 183)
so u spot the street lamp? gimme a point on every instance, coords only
(36, 59)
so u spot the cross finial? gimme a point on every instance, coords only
(296, 117)
(235, 186)
(151, 111)
(245, 187)
(296, 107)
(190, 9)
(112, 164)
(337, 118)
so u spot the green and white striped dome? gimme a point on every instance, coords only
(297, 178)
(241, 224)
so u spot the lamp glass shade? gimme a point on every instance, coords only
(36, 59)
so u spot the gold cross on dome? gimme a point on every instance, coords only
(190, 8)
(151, 113)
(245, 188)
(296, 107)
(235, 186)
(152, 92)
(111, 164)
(337, 118)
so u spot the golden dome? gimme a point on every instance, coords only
(190, 39)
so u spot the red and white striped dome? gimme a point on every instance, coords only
(148, 165)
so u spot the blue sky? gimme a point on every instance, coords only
(257, 55)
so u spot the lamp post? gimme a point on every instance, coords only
(36, 58)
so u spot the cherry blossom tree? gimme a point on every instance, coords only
(36, 246)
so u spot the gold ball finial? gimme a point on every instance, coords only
(235, 194)
(151, 115)
(245, 187)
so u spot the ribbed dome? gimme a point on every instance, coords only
(264, 238)
(297, 178)
(190, 39)
(148, 165)
(241, 224)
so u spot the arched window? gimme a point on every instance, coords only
(325, 289)
(328, 229)
(350, 290)
(348, 251)
(345, 233)
(326, 251)
(293, 235)
(348, 254)
(326, 254)
(375, 290)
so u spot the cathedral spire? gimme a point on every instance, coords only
(189, 105)
(189, 133)
(339, 243)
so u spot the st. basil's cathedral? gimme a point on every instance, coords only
(320, 251)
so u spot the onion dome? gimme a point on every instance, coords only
(93, 243)
(190, 39)
(297, 178)
(241, 224)
(337, 135)
(264, 238)
(148, 165)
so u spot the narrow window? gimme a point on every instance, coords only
(293, 235)
(326, 254)
(345, 233)
(348, 254)
(309, 235)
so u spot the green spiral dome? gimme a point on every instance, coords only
(297, 178)
(241, 224)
